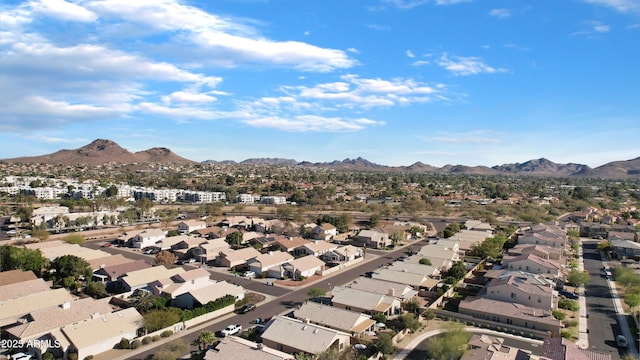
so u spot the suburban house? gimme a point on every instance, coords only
(42, 323)
(109, 274)
(506, 313)
(620, 235)
(317, 248)
(233, 347)
(269, 226)
(15, 308)
(401, 291)
(269, 263)
(559, 348)
(291, 244)
(541, 251)
(365, 302)
(350, 322)
(56, 248)
(23, 288)
(186, 247)
(372, 239)
(140, 279)
(342, 254)
(303, 267)
(415, 268)
(296, 336)
(417, 281)
(324, 231)
(517, 290)
(242, 222)
(482, 346)
(539, 239)
(181, 283)
(467, 239)
(110, 260)
(442, 257)
(212, 232)
(533, 264)
(203, 295)
(527, 277)
(625, 249)
(208, 251)
(112, 327)
(147, 238)
(189, 226)
(231, 258)
(15, 276)
(594, 230)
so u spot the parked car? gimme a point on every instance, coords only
(249, 274)
(246, 308)
(621, 341)
(107, 245)
(569, 294)
(231, 330)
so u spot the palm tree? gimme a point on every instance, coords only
(206, 338)
(143, 301)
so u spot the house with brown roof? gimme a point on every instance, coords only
(209, 250)
(506, 313)
(533, 264)
(16, 276)
(344, 253)
(401, 291)
(23, 288)
(109, 274)
(303, 267)
(140, 279)
(269, 263)
(350, 322)
(291, 244)
(541, 251)
(372, 239)
(181, 283)
(365, 302)
(11, 310)
(212, 232)
(486, 347)
(232, 258)
(559, 348)
(110, 260)
(517, 290)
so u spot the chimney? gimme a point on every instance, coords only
(392, 292)
(66, 305)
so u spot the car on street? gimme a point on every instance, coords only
(231, 330)
(249, 274)
(107, 245)
(246, 308)
(569, 294)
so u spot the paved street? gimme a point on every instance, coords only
(602, 322)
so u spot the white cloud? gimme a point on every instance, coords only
(223, 42)
(500, 13)
(623, 6)
(471, 137)
(420, 63)
(63, 10)
(410, 54)
(312, 123)
(463, 66)
(602, 28)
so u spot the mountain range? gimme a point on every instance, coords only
(101, 151)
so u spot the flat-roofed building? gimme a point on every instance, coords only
(351, 322)
(295, 336)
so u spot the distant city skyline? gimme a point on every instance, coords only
(392, 81)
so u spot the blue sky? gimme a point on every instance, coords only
(393, 81)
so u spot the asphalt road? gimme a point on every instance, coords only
(286, 299)
(602, 323)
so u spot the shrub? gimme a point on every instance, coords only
(135, 344)
(89, 357)
(568, 304)
(124, 343)
(73, 356)
(570, 323)
(47, 356)
(155, 338)
(166, 333)
(565, 334)
(146, 340)
(559, 314)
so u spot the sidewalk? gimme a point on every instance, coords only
(583, 334)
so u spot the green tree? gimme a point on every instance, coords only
(429, 314)
(206, 338)
(410, 321)
(379, 317)
(490, 248)
(143, 301)
(13, 258)
(632, 300)
(412, 306)
(374, 220)
(71, 266)
(627, 278)
(96, 289)
(425, 261)
(40, 234)
(578, 278)
(451, 344)
(457, 270)
(315, 292)
(384, 343)
(235, 239)
(159, 319)
(397, 237)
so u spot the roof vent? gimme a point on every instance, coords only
(304, 328)
(315, 331)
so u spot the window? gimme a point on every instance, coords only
(513, 295)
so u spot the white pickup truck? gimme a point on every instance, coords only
(231, 330)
